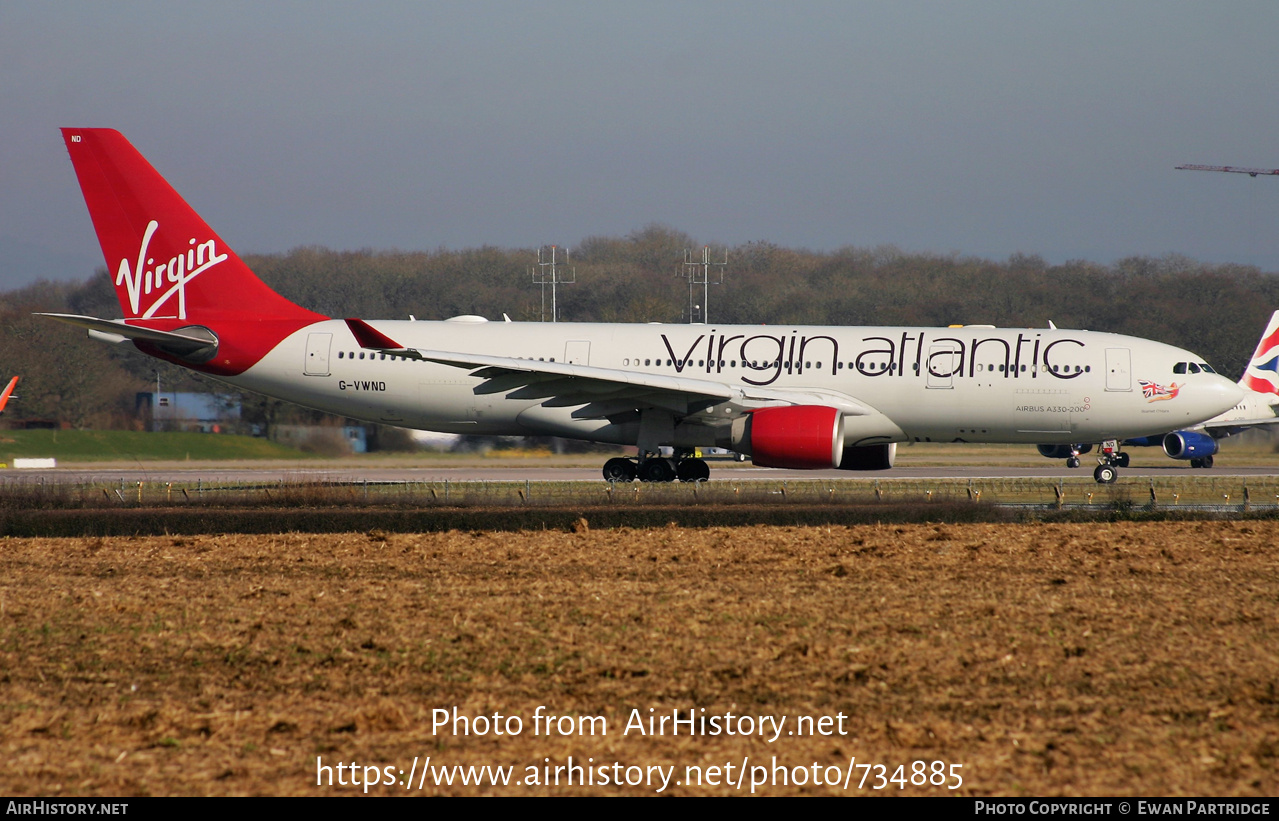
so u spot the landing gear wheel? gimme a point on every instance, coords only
(693, 470)
(1072, 462)
(1105, 474)
(1196, 463)
(619, 470)
(1207, 461)
(1121, 460)
(656, 470)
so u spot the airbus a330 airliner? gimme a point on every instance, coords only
(789, 396)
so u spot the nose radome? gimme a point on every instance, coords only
(1220, 395)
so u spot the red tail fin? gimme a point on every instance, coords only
(166, 263)
(8, 392)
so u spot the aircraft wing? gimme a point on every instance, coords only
(1220, 430)
(603, 392)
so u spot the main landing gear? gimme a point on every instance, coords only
(1108, 462)
(654, 468)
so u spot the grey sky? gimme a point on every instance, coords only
(982, 128)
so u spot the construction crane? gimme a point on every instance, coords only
(1251, 172)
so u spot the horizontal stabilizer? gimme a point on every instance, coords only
(185, 342)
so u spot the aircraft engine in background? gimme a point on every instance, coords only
(1190, 444)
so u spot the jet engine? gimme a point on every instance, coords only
(808, 437)
(1189, 444)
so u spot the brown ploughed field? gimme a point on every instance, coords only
(1042, 659)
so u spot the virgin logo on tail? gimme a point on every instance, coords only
(146, 278)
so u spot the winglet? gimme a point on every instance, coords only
(370, 337)
(8, 392)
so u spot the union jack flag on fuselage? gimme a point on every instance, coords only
(1154, 392)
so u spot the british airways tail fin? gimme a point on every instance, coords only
(165, 262)
(1262, 373)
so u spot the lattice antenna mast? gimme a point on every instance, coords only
(546, 273)
(1233, 169)
(706, 274)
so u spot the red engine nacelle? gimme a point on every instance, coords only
(806, 437)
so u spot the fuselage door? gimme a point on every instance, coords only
(317, 354)
(1118, 369)
(577, 352)
(945, 359)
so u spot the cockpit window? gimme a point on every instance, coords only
(1206, 367)
(1180, 367)
(1194, 368)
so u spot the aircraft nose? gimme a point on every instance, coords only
(1220, 395)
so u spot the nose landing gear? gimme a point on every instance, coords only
(1109, 462)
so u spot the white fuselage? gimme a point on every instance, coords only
(971, 384)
